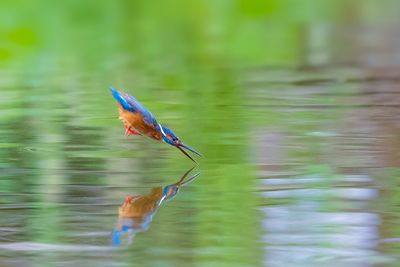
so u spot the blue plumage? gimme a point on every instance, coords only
(131, 104)
(122, 100)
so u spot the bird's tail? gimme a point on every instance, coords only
(116, 238)
(120, 98)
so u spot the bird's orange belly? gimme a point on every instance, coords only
(135, 120)
(139, 206)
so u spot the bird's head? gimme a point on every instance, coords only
(170, 138)
(171, 190)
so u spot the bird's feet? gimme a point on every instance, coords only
(128, 199)
(129, 131)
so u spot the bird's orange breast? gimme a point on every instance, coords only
(135, 120)
(141, 205)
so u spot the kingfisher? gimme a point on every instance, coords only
(138, 120)
(137, 212)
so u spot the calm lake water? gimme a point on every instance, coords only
(300, 140)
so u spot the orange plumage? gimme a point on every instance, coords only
(134, 121)
(140, 206)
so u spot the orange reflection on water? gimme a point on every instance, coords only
(136, 213)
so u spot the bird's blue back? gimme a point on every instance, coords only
(131, 104)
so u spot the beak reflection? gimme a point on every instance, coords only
(137, 212)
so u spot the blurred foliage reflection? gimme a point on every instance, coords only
(293, 103)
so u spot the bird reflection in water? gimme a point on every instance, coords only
(136, 213)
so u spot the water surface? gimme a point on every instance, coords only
(298, 122)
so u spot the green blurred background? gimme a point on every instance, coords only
(295, 105)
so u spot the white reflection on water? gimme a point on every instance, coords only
(34, 246)
(320, 226)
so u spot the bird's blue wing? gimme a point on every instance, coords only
(148, 117)
(122, 100)
(131, 104)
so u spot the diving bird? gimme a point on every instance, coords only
(138, 120)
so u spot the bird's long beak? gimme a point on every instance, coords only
(191, 149)
(182, 145)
